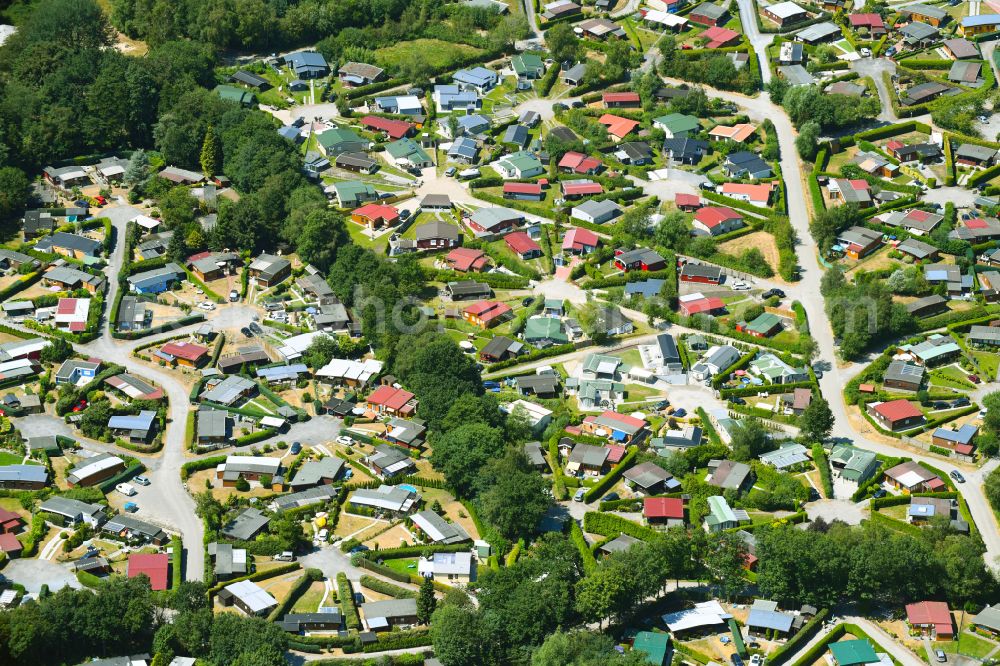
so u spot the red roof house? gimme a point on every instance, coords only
(392, 400)
(931, 617)
(574, 162)
(154, 565)
(580, 241)
(9, 521)
(687, 202)
(719, 37)
(375, 215)
(663, 509)
(618, 127)
(184, 353)
(486, 314)
(702, 305)
(522, 245)
(9, 544)
(581, 188)
(615, 453)
(620, 99)
(396, 129)
(896, 414)
(717, 220)
(873, 22)
(466, 259)
(530, 191)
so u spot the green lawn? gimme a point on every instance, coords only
(630, 357)
(309, 601)
(638, 392)
(951, 376)
(8, 458)
(967, 644)
(439, 55)
(404, 565)
(988, 363)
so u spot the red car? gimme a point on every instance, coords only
(974, 379)
(100, 201)
(80, 406)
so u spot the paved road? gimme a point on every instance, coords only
(875, 68)
(759, 41)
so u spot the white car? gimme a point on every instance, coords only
(207, 305)
(323, 534)
(125, 489)
(199, 291)
(865, 53)
(345, 440)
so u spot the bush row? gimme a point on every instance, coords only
(607, 524)
(384, 587)
(347, 607)
(611, 478)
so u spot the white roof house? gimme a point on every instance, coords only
(342, 369)
(447, 564)
(293, 347)
(702, 615)
(390, 498)
(251, 596)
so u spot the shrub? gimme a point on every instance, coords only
(347, 606)
(607, 524)
(383, 587)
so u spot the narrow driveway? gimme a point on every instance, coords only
(759, 41)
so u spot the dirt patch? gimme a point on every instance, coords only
(394, 538)
(349, 524)
(761, 240)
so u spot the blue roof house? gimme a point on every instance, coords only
(157, 280)
(137, 428)
(308, 64)
(480, 79)
(450, 98)
(292, 134)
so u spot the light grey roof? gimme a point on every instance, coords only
(70, 508)
(533, 451)
(647, 474)
(212, 423)
(245, 525)
(797, 75)
(23, 474)
(729, 474)
(599, 208)
(314, 472)
(901, 371)
(819, 31)
(437, 229)
(390, 608)
(439, 529)
(123, 522)
(228, 390)
(588, 454)
(306, 497)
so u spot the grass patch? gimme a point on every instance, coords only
(309, 601)
(967, 644)
(404, 565)
(988, 362)
(951, 376)
(437, 54)
(8, 458)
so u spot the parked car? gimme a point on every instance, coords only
(612, 497)
(296, 448)
(360, 548)
(961, 402)
(207, 305)
(974, 379)
(891, 51)
(772, 292)
(661, 405)
(527, 300)
(489, 384)
(234, 296)
(125, 489)
(955, 474)
(346, 440)
(273, 307)
(131, 507)
(247, 332)
(735, 659)
(940, 656)
(141, 480)
(450, 171)
(865, 53)
(680, 413)
(323, 534)
(404, 214)
(578, 497)
(758, 659)
(255, 327)
(707, 185)
(879, 493)
(736, 400)
(286, 556)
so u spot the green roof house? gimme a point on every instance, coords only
(554, 307)
(521, 164)
(853, 653)
(677, 125)
(774, 370)
(852, 463)
(238, 95)
(528, 66)
(407, 152)
(544, 331)
(763, 326)
(656, 646)
(723, 517)
(353, 193)
(339, 140)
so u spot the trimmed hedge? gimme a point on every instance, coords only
(803, 636)
(347, 607)
(384, 587)
(823, 464)
(607, 524)
(298, 588)
(611, 477)
(176, 562)
(586, 555)
(188, 468)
